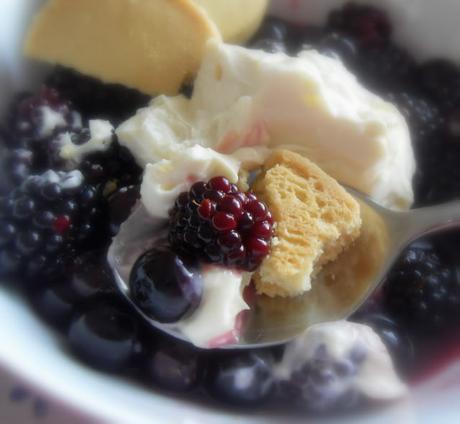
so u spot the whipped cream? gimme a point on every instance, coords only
(311, 104)
(101, 137)
(65, 180)
(222, 301)
(52, 119)
(375, 378)
(163, 181)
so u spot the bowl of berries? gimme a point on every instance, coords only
(180, 235)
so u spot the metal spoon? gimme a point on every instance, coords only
(337, 291)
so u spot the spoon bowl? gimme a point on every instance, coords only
(337, 291)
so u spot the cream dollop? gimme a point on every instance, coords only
(101, 137)
(163, 181)
(221, 303)
(311, 104)
(375, 378)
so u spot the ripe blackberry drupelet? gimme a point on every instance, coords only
(220, 224)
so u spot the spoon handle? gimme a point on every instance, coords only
(417, 222)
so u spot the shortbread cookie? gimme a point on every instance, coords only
(315, 220)
(152, 45)
(237, 20)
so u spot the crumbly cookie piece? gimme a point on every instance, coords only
(315, 218)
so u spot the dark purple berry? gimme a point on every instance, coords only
(242, 379)
(165, 286)
(104, 335)
(226, 226)
(174, 366)
(422, 292)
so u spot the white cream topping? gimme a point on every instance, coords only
(221, 302)
(65, 180)
(310, 103)
(52, 119)
(101, 137)
(376, 377)
(163, 181)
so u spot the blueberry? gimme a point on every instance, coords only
(53, 304)
(165, 286)
(241, 378)
(104, 335)
(174, 366)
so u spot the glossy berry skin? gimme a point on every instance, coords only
(320, 384)
(165, 286)
(217, 223)
(242, 379)
(15, 167)
(45, 222)
(104, 335)
(422, 292)
(174, 366)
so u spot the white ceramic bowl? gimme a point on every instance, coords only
(39, 379)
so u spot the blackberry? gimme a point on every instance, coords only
(217, 223)
(15, 167)
(321, 383)
(95, 99)
(422, 115)
(440, 80)
(33, 118)
(438, 177)
(32, 124)
(369, 25)
(385, 66)
(422, 292)
(45, 221)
